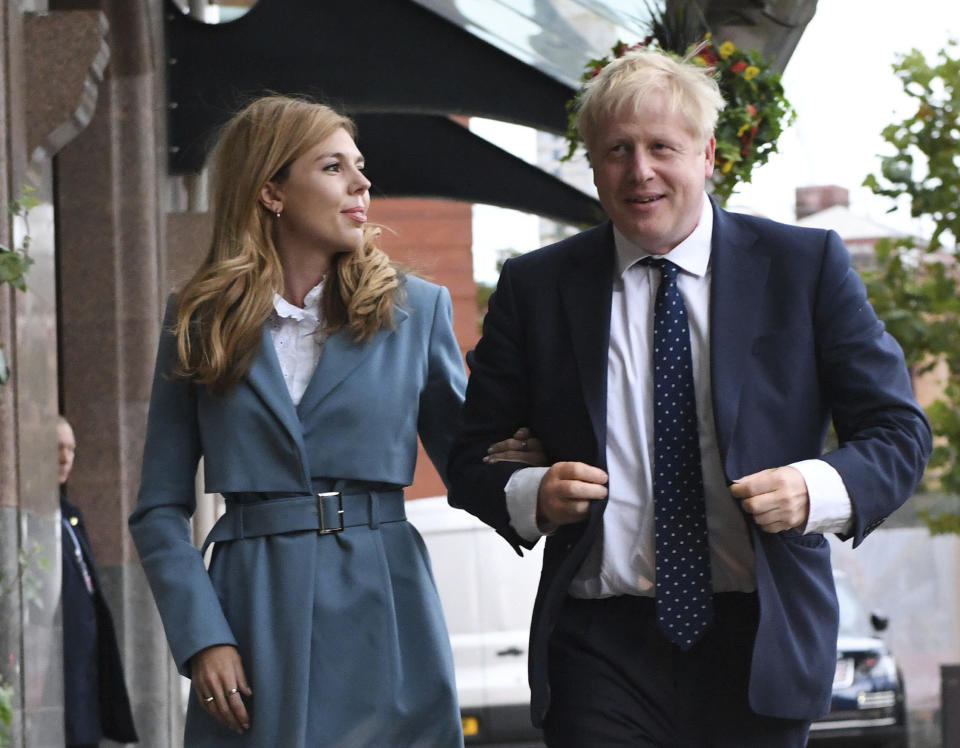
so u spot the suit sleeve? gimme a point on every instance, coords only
(442, 395)
(160, 525)
(884, 437)
(495, 407)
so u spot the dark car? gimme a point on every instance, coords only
(868, 707)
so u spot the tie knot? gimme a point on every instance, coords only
(668, 270)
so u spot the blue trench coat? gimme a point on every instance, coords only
(342, 635)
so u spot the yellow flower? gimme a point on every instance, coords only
(727, 166)
(726, 49)
(743, 129)
(700, 61)
(751, 72)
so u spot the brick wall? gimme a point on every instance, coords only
(432, 239)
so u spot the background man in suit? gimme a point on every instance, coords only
(686, 597)
(95, 701)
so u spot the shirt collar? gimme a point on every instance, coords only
(691, 255)
(311, 306)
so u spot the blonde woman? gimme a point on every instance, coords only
(302, 366)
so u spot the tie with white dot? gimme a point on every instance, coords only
(683, 587)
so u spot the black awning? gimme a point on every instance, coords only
(414, 155)
(375, 60)
(374, 57)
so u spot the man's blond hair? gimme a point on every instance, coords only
(629, 81)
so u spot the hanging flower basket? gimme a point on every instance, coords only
(748, 127)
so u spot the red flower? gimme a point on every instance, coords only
(751, 110)
(620, 49)
(746, 140)
(596, 71)
(710, 56)
(738, 67)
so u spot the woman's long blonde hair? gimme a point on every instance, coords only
(222, 308)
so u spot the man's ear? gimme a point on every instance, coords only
(710, 155)
(271, 197)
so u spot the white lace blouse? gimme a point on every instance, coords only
(295, 339)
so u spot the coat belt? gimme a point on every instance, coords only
(324, 513)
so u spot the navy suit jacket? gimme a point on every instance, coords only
(793, 344)
(95, 700)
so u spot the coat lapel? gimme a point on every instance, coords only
(586, 289)
(266, 379)
(342, 355)
(740, 269)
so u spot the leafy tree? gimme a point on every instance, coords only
(914, 287)
(484, 290)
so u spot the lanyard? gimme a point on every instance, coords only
(78, 554)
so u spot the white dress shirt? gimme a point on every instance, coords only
(295, 338)
(622, 561)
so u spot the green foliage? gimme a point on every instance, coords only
(914, 288)
(15, 261)
(485, 290)
(942, 524)
(31, 586)
(6, 712)
(925, 164)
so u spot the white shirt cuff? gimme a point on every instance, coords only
(521, 492)
(830, 506)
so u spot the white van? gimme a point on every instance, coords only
(487, 592)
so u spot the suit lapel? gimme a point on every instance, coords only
(342, 355)
(739, 270)
(585, 290)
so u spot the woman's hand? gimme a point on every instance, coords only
(219, 682)
(521, 447)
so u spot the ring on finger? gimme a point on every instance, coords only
(233, 691)
(208, 699)
(523, 445)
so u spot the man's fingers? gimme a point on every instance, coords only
(773, 520)
(579, 471)
(777, 499)
(566, 491)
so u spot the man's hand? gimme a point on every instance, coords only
(777, 499)
(566, 491)
(219, 683)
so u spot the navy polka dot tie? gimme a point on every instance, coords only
(683, 587)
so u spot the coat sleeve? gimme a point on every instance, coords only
(496, 406)
(442, 394)
(160, 525)
(884, 437)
